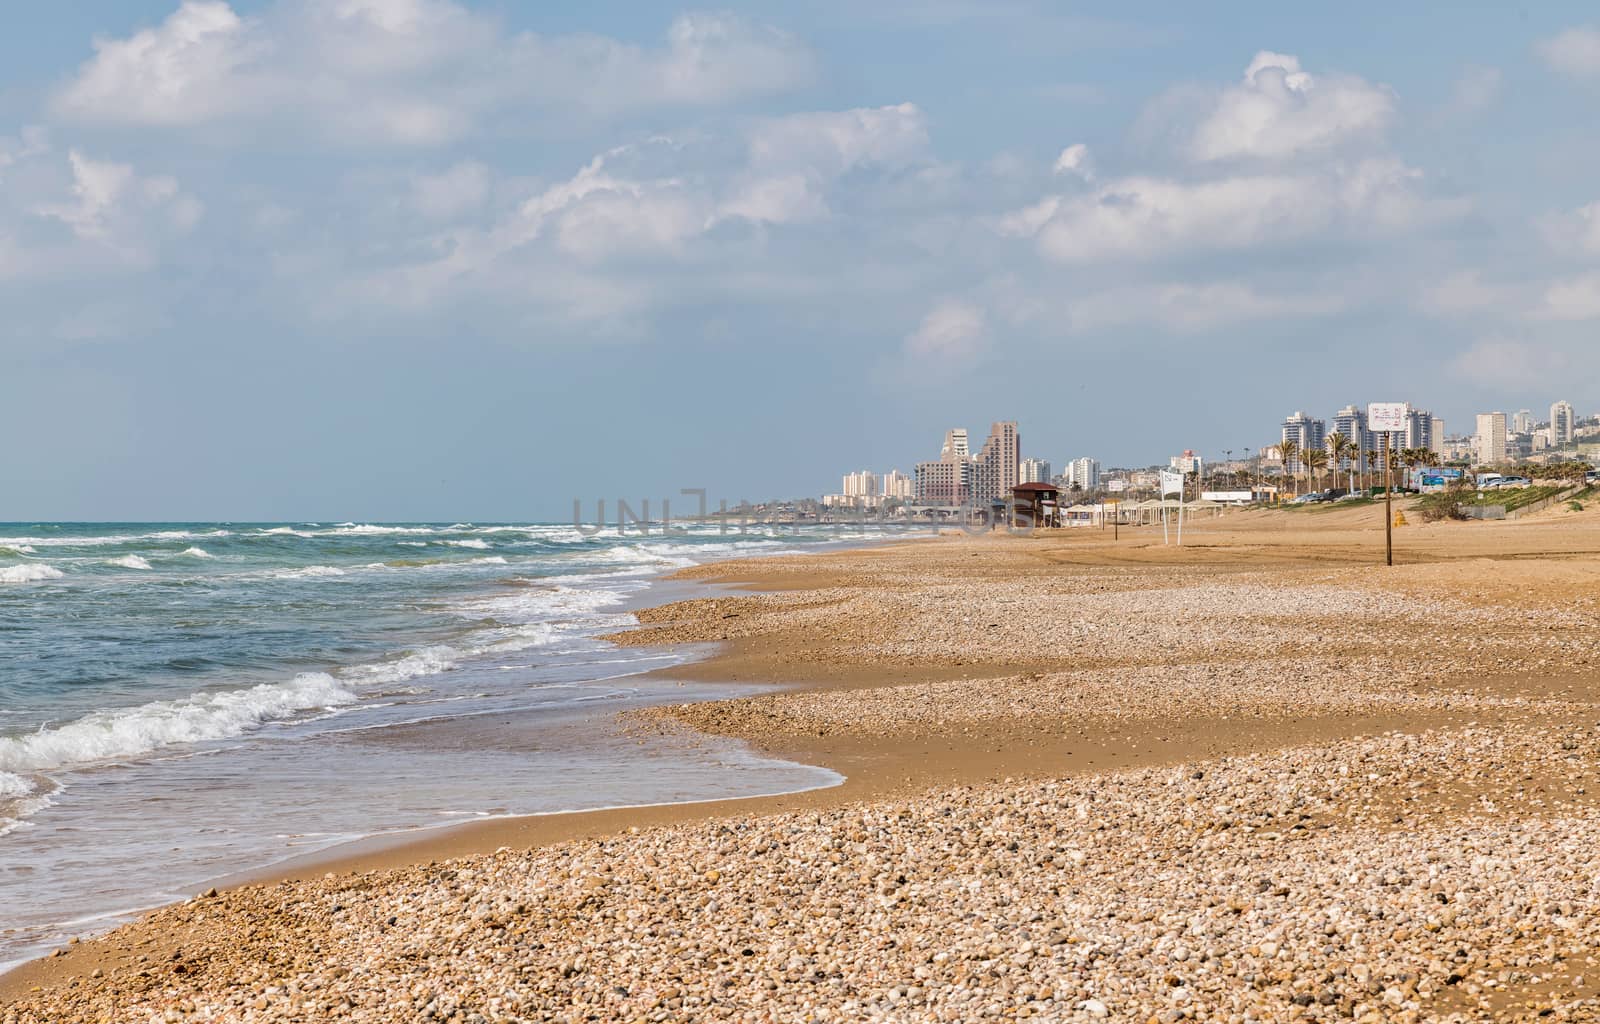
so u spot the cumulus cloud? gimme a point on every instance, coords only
(1575, 52)
(953, 332)
(77, 216)
(416, 72)
(1074, 160)
(105, 194)
(1148, 217)
(792, 160)
(1280, 111)
(1571, 298)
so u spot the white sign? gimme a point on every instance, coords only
(1116, 486)
(1386, 417)
(1171, 482)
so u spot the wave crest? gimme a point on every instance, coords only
(194, 719)
(32, 573)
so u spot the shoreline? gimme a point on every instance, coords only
(381, 850)
(780, 627)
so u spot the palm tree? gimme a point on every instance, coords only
(1315, 459)
(1373, 455)
(1338, 447)
(1289, 449)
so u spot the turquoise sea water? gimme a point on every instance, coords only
(180, 701)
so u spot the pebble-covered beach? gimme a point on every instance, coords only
(1445, 867)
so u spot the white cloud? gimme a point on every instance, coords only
(793, 160)
(105, 195)
(34, 141)
(1074, 160)
(829, 143)
(953, 332)
(412, 72)
(1571, 298)
(1281, 111)
(1575, 52)
(1147, 217)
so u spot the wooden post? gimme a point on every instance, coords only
(1388, 503)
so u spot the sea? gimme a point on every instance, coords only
(187, 702)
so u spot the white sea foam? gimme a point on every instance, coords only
(32, 573)
(287, 531)
(14, 787)
(366, 528)
(17, 549)
(198, 553)
(129, 562)
(425, 662)
(306, 572)
(481, 545)
(198, 718)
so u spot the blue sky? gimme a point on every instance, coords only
(422, 259)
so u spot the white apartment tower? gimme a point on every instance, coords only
(1084, 472)
(1522, 422)
(1490, 441)
(1562, 423)
(1033, 471)
(1305, 432)
(898, 485)
(1420, 429)
(861, 485)
(1351, 421)
(955, 446)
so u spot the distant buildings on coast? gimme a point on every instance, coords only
(1347, 443)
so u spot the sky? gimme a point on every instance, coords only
(424, 259)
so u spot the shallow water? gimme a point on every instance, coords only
(180, 702)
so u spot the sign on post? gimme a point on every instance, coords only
(1387, 417)
(1171, 482)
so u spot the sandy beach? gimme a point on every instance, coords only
(1260, 777)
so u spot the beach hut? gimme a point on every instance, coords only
(1036, 504)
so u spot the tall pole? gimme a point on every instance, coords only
(1388, 504)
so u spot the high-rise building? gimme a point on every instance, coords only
(1083, 473)
(1351, 422)
(1563, 423)
(1490, 440)
(1419, 429)
(1305, 432)
(860, 485)
(997, 463)
(1440, 445)
(1033, 471)
(1522, 422)
(944, 483)
(949, 480)
(897, 485)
